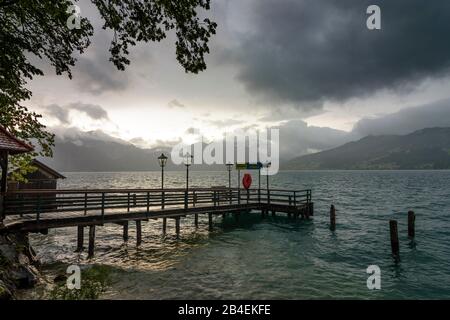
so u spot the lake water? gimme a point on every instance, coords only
(274, 257)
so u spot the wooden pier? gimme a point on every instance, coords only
(40, 210)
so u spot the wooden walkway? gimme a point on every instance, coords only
(40, 210)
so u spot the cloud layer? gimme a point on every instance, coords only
(436, 114)
(309, 51)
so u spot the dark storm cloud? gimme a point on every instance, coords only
(62, 113)
(436, 114)
(94, 111)
(57, 112)
(98, 75)
(304, 52)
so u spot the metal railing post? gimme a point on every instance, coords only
(295, 199)
(186, 199)
(128, 202)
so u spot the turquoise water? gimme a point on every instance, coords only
(274, 257)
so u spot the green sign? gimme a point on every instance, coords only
(249, 166)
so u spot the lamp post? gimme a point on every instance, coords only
(162, 159)
(188, 162)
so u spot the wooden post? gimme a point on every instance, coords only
(4, 166)
(177, 227)
(332, 218)
(210, 222)
(91, 241)
(164, 225)
(394, 239)
(85, 203)
(196, 220)
(125, 231)
(138, 233)
(80, 239)
(411, 224)
(273, 213)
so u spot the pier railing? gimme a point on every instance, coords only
(99, 201)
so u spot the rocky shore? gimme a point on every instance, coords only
(19, 268)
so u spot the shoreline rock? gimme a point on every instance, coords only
(19, 267)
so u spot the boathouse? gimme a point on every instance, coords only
(9, 145)
(43, 178)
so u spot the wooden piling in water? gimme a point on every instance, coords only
(394, 239)
(164, 225)
(196, 220)
(411, 224)
(177, 227)
(210, 222)
(332, 218)
(91, 241)
(125, 231)
(80, 240)
(138, 232)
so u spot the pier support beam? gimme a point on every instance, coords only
(411, 224)
(138, 233)
(177, 227)
(210, 222)
(80, 240)
(273, 213)
(394, 239)
(125, 231)
(164, 226)
(91, 241)
(196, 220)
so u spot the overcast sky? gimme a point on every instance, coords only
(309, 67)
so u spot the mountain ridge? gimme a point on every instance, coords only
(427, 148)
